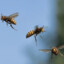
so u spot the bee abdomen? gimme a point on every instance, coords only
(13, 21)
(30, 33)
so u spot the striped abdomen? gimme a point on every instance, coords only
(13, 21)
(30, 33)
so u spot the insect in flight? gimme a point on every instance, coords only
(35, 32)
(54, 50)
(9, 19)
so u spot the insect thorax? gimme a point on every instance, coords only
(3, 18)
(38, 30)
(55, 51)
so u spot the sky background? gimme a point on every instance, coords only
(14, 47)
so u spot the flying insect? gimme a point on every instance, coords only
(54, 51)
(9, 19)
(35, 32)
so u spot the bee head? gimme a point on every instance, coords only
(54, 50)
(42, 29)
(2, 17)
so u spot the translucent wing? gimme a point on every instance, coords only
(60, 47)
(61, 54)
(13, 15)
(45, 50)
(36, 27)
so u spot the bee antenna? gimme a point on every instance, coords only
(0, 15)
(43, 26)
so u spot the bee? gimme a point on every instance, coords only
(9, 19)
(35, 32)
(54, 51)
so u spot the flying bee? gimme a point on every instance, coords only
(9, 19)
(35, 32)
(54, 51)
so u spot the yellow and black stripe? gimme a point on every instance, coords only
(30, 33)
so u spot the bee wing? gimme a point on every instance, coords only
(61, 54)
(60, 47)
(36, 27)
(13, 15)
(45, 50)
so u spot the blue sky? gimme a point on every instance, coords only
(14, 47)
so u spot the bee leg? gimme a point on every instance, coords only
(35, 39)
(2, 20)
(12, 27)
(7, 23)
(41, 37)
(51, 58)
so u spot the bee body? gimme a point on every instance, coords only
(55, 51)
(38, 30)
(12, 21)
(4, 18)
(8, 19)
(30, 33)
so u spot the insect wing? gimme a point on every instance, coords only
(36, 27)
(60, 54)
(45, 50)
(13, 15)
(60, 47)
